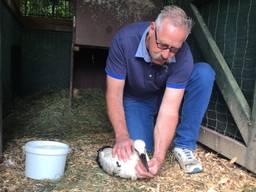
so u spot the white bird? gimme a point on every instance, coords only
(124, 169)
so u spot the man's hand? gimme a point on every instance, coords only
(122, 148)
(154, 166)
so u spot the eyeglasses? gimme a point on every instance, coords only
(164, 46)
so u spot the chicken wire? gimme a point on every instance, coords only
(232, 25)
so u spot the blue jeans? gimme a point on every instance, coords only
(140, 114)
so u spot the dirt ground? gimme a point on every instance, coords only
(85, 129)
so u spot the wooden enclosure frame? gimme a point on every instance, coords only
(243, 115)
(1, 81)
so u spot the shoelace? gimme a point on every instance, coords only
(189, 154)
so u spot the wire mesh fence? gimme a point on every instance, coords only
(61, 9)
(232, 25)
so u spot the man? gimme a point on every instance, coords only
(149, 70)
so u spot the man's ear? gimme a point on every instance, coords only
(152, 27)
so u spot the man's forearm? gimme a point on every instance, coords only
(163, 134)
(115, 109)
(116, 116)
(167, 121)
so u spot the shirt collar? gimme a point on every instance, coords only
(142, 51)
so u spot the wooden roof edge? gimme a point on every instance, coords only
(42, 23)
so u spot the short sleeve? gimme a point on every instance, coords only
(181, 69)
(116, 65)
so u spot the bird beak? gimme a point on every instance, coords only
(144, 160)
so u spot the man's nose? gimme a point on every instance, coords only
(166, 54)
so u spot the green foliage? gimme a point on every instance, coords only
(47, 8)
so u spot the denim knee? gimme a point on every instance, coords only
(205, 73)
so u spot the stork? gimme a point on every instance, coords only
(124, 169)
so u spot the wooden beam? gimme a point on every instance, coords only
(254, 106)
(227, 147)
(71, 78)
(251, 151)
(1, 114)
(229, 88)
(42, 23)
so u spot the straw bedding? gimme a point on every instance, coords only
(86, 128)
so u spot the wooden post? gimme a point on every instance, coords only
(1, 114)
(254, 106)
(72, 64)
(251, 151)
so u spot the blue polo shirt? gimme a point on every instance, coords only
(129, 60)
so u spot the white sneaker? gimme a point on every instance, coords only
(187, 160)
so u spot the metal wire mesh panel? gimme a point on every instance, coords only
(232, 25)
(219, 118)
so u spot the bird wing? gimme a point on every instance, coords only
(112, 166)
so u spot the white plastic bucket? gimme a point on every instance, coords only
(45, 159)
